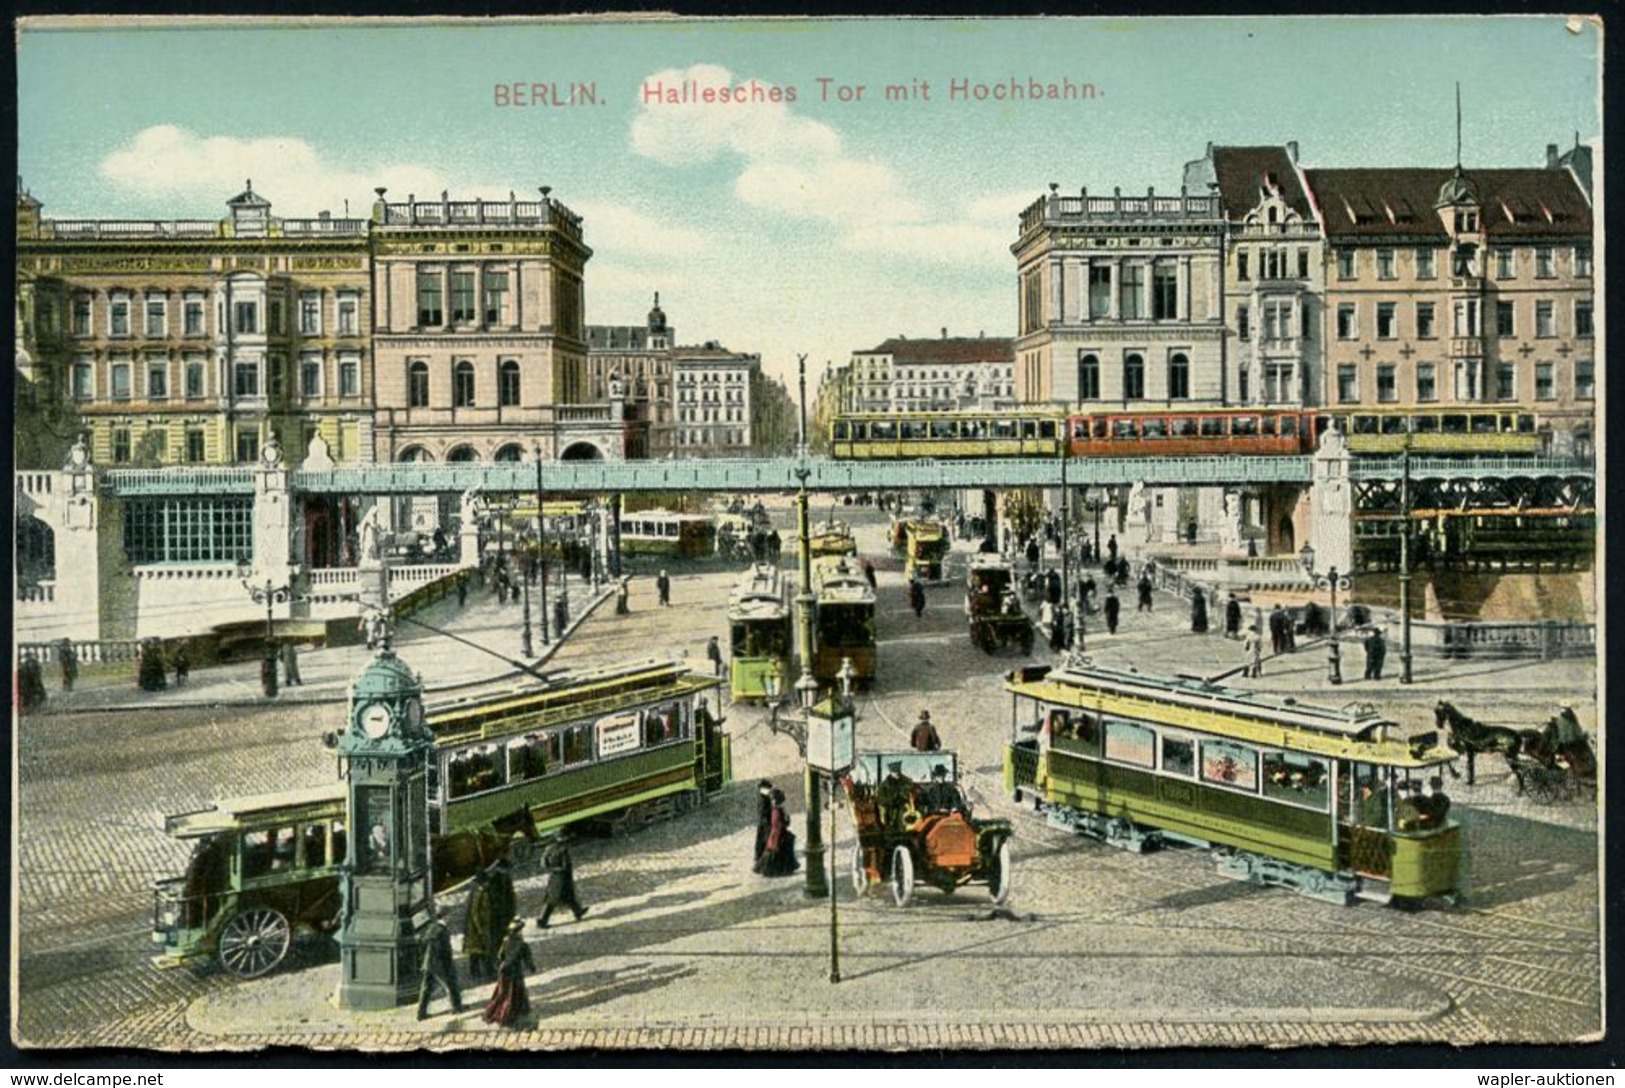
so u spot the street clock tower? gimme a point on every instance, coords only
(386, 746)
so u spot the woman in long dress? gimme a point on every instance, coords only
(779, 852)
(510, 1000)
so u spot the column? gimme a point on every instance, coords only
(1057, 299)
(1184, 288)
(1084, 301)
(1114, 311)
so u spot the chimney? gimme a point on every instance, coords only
(945, 332)
(1551, 156)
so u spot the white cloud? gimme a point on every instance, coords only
(631, 234)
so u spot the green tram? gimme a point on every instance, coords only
(759, 633)
(1290, 794)
(843, 620)
(626, 744)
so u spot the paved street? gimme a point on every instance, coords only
(685, 947)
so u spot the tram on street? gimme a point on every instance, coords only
(925, 549)
(668, 534)
(831, 538)
(843, 620)
(759, 632)
(623, 744)
(1324, 801)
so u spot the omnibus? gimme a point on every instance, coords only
(668, 534)
(925, 546)
(759, 633)
(843, 620)
(831, 538)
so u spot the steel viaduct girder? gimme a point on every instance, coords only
(1378, 497)
(784, 474)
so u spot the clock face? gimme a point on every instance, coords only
(375, 720)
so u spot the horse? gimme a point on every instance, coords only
(460, 855)
(1470, 737)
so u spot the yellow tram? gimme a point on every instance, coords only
(759, 632)
(843, 620)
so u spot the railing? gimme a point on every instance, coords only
(1056, 209)
(131, 228)
(1545, 639)
(294, 227)
(1387, 467)
(432, 213)
(34, 483)
(88, 652)
(39, 593)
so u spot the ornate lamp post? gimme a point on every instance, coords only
(541, 544)
(270, 595)
(525, 645)
(1405, 562)
(829, 750)
(806, 686)
(1333, 581)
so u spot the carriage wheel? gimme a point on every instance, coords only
(902, 876)
(860, 871)
(999, 884)
(254, 941)
(1545, 786)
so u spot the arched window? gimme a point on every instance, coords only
(462, 455)
(462, 384)
(417, 384)
(1089, 377)
(512, 453)
(412, 454)
(1179, 376)
(508, 384)
(1134, 376)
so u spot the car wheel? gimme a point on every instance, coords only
(254, 941)
(999, 884)
(902, 876)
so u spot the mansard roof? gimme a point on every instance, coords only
(947, 349)
(1514, 203)
(1245, 173)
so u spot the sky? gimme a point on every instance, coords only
(818, 226)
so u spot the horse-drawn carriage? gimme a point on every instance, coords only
(1553, 763)
(915, 826)
(992, 607)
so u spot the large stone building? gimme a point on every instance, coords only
(950, 373)
(1120, 301)
(715, 400)
(194, 341)
(639, 357)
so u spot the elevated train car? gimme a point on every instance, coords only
(843, 620)
(759, 632)
(1285, 793)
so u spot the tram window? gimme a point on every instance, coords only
(315, 836)
(1230, 765)
(1300, 779)
(256, 854)
(913, 429)
(1394, 424)
(1155, 428)
(1079, 429)
(1485, 424)
(1289, 426)
(1454, 424)
(883, 430)
(1058, 723)
(841, 430)
(1099, 426)
(944, 428)
(1244, 426)
(1004, 428)
(973, 428)
(1046, 428)
(1179, 756)
(1125, 428)
(1184, 427)
(1266, 426)
(1127, 742)
(527, 758)
(1029, 428)
(1526, 424)
(1365, 425)
(1212, 426)
(337, 838)
(860, 432)
(1428, 424)
(577, 744)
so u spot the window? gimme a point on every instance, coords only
(508, 383)
(189, 529)
(1345, 264)
(1387, 386)
(417, 384)
(1582, 319)
(310, 313)
(1427, 384)
(1089, 377)
(1130, 296)
(1466, 222)
(248, 447)
(462, 384)
(1424, 263)
(1128, 742)
(1348, 327)
(194, 378)
(1385, 264)
(496, 291)
(1545, 383)
(1544, 262)
(158, 379)
(1179, 756)
(246, 378)
(310, 375)
(1179, 376)
(1232, 765)
(1466, 317)
(194, 446)
(349, 375)
(1303, 264)
(1348, 384)
(121, 445)
(1506, 380)
(1582, 260)
(462, 296)
(1464, 260)
(1306, 325)
(429, 312)
(273, 317)
(1506, 263)
(1277, 321)
(1274, 266)
(1296, 779)
(118, 316)
(192, 316)
(84, 379)
(1164, 292)
(1243, 272)
(278, 377)
(1466, 379)
(157, 318)
(1545, 319)
(157, 443)
(1242, 327)
(1505, 319)
(1585, 380)
(349, 312)
(1134, 377)
(1424, 321)
(1386, 326)
(81, 315)
(120, 383)
(247, 317)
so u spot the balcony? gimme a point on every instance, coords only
(1055, 210)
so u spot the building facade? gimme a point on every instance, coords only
(715, 402)
(959, 373)
(639, 357)
(1119, 301)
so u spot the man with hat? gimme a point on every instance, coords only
(924, 738)
(1407, 810)
(894, 797)
(561, 880)
(1566, 731)
(941, 795)
(438, 965)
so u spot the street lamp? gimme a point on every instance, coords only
(806, 686)
(1333, 581)
(270, 595)
(525, 645)
(541, 544)
(1405, 562)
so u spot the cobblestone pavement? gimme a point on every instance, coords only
(685, 948)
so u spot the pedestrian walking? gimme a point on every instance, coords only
(924, 738)
(183, 665)
(479, 935)
(869, 574)
(150, 667)
(1111, 549)
(623, 595)
(916, 596)
(1251, 644)
(1376, 648)
(462, 591)
(713, 651)
(504, 903)
(1198, 612)
(1052, 586)
(764, 818)
(510, 1001)
(1232, 617)
(1144, 587)
(67, 659)
(1087, 596)
(30, 683)
(561, 615)
(561, 880)
(1057, 628)
(663, 588)
(1033, 552)
(1277, 630)
(438, 966)
(290, 663)
(778, 856)
(1112, 607)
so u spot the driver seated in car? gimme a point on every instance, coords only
(895, 796)
(941, 795)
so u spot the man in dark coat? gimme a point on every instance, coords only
(1232, 617)
(764, 815)
(1052, 586)
(561, 880)
(438, 965)
(713, 652)
(869, 574)
(940, 795)
(30, 684)
(504, 904)
(1033, 552)
(1144, 587)
(480, 937)
(1277, 630)
(1057, 631)
(68, 660)
(924, 738)
(916, 597)
(1376, 648)
(1113, 607)
(1198, 612)
(663, 588)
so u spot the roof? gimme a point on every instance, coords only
(948, 349)
(1245, 173)
(288, 806)
(1515, 203)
